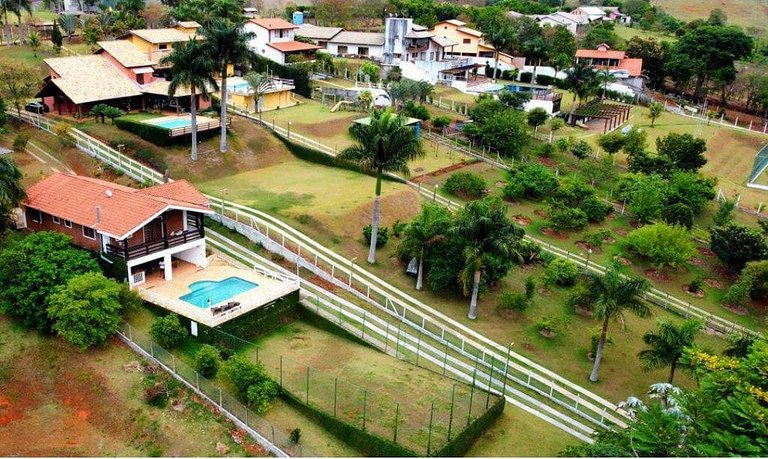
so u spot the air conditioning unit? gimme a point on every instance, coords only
(18, 218)
(138, 278)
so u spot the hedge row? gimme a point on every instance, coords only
(299, 73)
(154, 134)
(460, 444)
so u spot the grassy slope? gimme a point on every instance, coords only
(745, 13)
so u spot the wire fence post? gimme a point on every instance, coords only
(490, 381)
(429, 436)
(506, 372)
(365, 402)
(397, 421)
(450, 417)
(335, 391)
(281, 371)
(471, 396)
(307, 384)
(221, 404)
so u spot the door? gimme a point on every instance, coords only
(153, 231)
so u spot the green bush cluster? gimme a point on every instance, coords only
(168, 331)
(20, 141)
(157, 135)
(382, 237)
(415, 110)
(536, 180)
(207, 360)
(466, 185)
(562, 272)
(663, 244)
(251, 382)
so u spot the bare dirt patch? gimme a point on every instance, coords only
(657, 275)
(540, 213)
(620, 231)
(698, 294)
(706, 251)
(714, 283)
(442, 171)
(521, 220)
(623, 260)
(554, 233)
(736, 309)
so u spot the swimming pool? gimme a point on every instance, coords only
(173, 123)
(239, 87)
(216, 291)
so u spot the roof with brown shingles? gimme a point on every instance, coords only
(273, 23)
(90, 78)
(292, 46)
(126, 53)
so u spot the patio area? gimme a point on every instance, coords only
(167, 294)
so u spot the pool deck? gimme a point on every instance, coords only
(166, 294)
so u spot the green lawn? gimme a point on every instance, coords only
(627, 33)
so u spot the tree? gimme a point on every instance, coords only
(581, 149)
(724, 214)
(87, 310)
(562, 48)
(334, 13)
(168, 331)
(68, 23)
(537, 179)
(386, 144)
(648, 197)
(227, 45)
(423, 234)
(609, 297)
(667, 344)
(655, 109)
(506, 132)
(537, 117)
(685, 151)
(207, 360)
(33, 39)
(487, 235)
(260, 84)
(56, 37)
(11, 189)
(580, 80)
(30, 271)
(602, 32)
(635, 141)
(735, 244)
(692, 189)
(192, 68)
(664, 245)
(603, 78)
(497, 30)
(653, 55)
(18, 82)
(514, 100)
(611, 142)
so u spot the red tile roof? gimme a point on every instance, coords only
(122, 210)
(273, 23)
(292, 46)
(634, 66)
(596, 53)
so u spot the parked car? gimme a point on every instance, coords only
(36, 107)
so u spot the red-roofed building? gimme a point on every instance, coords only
(274, 39)
(147, 228)
(606, 59)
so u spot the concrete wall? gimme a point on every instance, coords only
(194, 255)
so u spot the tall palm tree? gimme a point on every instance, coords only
(424, 89)
(260, 84)
(422, 233)
(604, 78)
(191, 67)
(386, 144)
(609, 297)
(227, 45)
(667, 344)
(486, 233)
(580, 80)
(536, 49)
(11, 190)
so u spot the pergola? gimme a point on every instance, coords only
(612, 114)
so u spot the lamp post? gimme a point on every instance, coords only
(589, 254)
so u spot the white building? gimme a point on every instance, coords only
(361, 44)
(573, 22)
(593, 13)
(275, 40)
(319, 35)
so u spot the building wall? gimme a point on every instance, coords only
(451, 32)
(375, 52)
(271, 101)
(76, 232)
(194, 255)
(148, 78)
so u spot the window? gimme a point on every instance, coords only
(163, 46)
(362, 50)
(89, 233)
(67, 223)
(55, 219)
(467, 41)
(342, 50)
(37, 216)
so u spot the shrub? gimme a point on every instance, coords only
(156, 393)
(678, 214)
(62, 132)
(466, 185)
(525, 77)
(545, 150)
(595, 340)
(537, 180)
(398, 227)
(562, 272)
(513, 190)
(260, 394)
(563, 144)
(735, 245)
(529, 251)
(695, 285)
(581, 149)
(20, 141)
(415, 111)
(548, 324)
(243, 374)
(441, 122)
(545, 80)
(296, 433)
(513, 301)
(207, 360)
(663, 244)
(168, 331)
(595, 209)
(530, 287)
(597, 238)
(149, 157)
(155, 134)
(567, 218)
(724, 214)
(381, 238)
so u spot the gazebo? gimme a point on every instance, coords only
(612, 114)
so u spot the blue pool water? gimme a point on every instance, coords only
(173, 123)
(239, 87)
(216, 291)
(516, 88)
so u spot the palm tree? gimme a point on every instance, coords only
(424, 89)
(425, 231)
(655, 109)
(34, 41)
(580, 80)
(486, 233)
(18, 8)
(603, 78)
(536, 50)
(228, 45)
(191, 68)
(609, 297)
(260, 84)
(500, 36)
(11, 190)
(386, 144)
(667, 344)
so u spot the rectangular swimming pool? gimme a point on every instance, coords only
(210, 293)
(239, 87)
(173, 123)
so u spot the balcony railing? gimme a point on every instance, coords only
(147, 248)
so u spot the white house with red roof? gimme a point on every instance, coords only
(147, 228)
(624, 68)
(275, 39)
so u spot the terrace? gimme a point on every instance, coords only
(270, 287)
